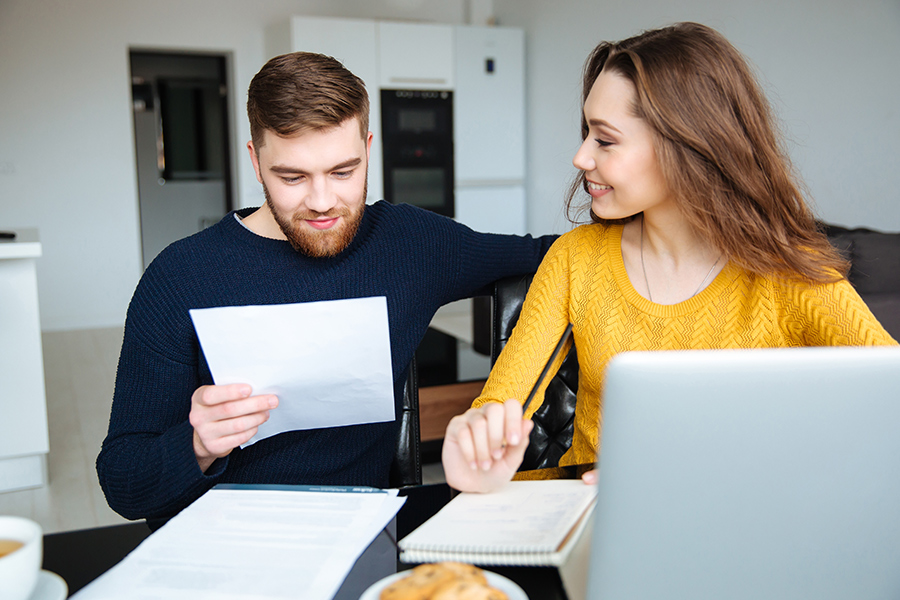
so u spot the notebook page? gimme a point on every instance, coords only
(528, 517)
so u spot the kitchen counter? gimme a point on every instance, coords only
(26, 244)
(24, 440)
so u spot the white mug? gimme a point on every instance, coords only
(19, 569)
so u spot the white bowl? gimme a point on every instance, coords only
(19, 570)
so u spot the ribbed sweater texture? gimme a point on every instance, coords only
(416, 259)
(583, 281)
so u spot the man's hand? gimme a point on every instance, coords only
(484, 446)
(224, 417)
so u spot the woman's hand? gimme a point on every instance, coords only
(483, 447)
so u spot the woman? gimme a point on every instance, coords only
(701, 239)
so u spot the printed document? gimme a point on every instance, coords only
(328, 362)
(253, 544)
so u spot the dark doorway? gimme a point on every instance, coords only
(182, 145)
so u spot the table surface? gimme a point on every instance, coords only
(81, 556)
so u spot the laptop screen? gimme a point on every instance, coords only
(749, 474)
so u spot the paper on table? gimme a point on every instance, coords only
(328, 362)
(249, 543)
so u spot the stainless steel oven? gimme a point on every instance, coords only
(417, 138)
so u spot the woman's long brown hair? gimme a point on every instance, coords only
(718, 150)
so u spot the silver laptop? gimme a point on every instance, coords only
(763, 474)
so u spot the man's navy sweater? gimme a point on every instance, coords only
(416, 259)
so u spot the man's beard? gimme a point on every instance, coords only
(315, 243)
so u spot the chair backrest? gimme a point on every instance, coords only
(554, 421)
(406, 469)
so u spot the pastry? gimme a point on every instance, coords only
(467, 590)
(420, 584)
(464, 571)
(442, 581)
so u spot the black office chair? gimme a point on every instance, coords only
(406, 469)
(554, 421)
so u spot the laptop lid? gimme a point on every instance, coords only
(749, 474)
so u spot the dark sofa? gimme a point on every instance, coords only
(875, 270)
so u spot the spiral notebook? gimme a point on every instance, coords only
(527, 523)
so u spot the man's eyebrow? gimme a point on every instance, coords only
(288, 170)
(602, 123)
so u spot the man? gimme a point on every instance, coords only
(172, 433)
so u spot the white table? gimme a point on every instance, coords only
(24, 442)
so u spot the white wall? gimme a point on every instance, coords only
(828, 66)
(67, 158)
(66, 151)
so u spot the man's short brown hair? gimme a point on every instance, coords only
(304, 91)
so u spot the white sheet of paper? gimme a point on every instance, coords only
(252, 544)
(328, 362)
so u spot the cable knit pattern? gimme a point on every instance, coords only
(416, 259)
(583, 281)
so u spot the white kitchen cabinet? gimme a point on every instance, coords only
(353, 43)
(416, 56)
(484, 67)
(492, 208)
(24, 440)
(489, 105)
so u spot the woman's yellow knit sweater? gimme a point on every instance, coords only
(582, 280)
